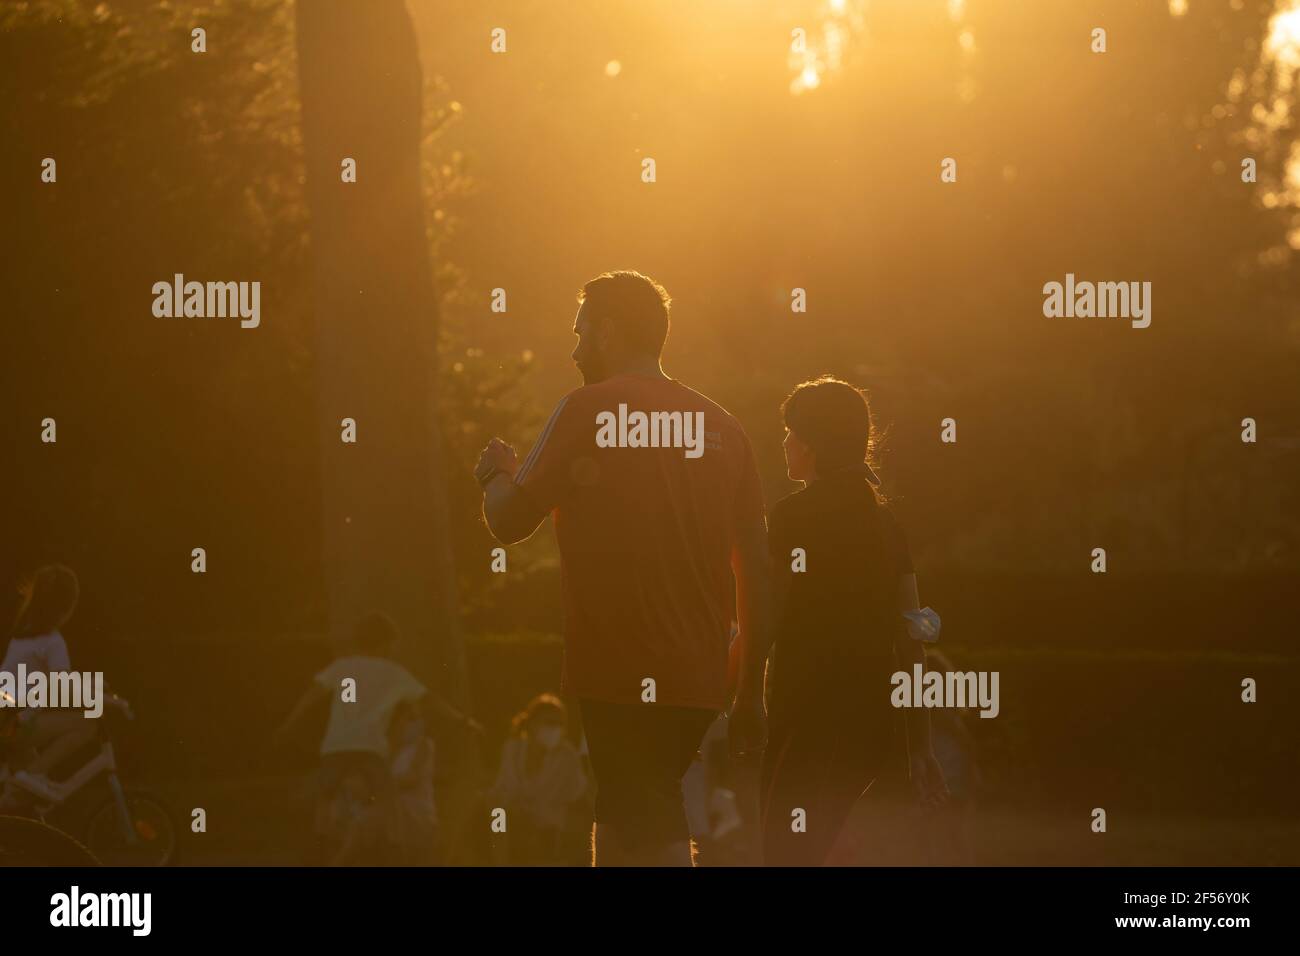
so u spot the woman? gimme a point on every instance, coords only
(842, 580)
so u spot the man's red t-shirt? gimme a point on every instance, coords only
(645, 536)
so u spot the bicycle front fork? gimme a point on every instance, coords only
(124, 820)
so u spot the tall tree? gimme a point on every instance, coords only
(386, 540)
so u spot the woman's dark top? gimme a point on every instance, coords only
(834, 648)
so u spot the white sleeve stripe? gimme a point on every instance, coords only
(522, 473)
(532, 452)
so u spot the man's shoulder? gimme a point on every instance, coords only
(584, 402)
(674, 395)
(710, 407)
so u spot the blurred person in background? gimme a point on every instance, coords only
(45, 737)
(540, 784)
(366, 689)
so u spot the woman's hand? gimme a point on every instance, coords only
(927, 780)
(747, 725)
(733, 668)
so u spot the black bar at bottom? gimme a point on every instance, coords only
(545, 907)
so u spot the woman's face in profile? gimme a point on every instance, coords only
(798, 458)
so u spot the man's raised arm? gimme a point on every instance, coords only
(517, 497)
(509, 512)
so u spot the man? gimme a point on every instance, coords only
(656, 502)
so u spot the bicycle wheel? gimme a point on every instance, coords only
(26, 842)
(152, 825)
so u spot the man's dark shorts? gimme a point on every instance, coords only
(639, 754)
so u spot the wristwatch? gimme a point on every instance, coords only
(486, 477)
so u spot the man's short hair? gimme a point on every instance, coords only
(635, 304)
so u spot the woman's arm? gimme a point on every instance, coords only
(912, 652)
(927, 777)
(747, 726)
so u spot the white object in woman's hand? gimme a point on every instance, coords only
(923, 625)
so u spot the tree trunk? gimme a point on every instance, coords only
(386, 544)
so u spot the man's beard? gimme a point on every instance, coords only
(593, 371)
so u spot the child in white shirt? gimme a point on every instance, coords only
(46, 737)
(366, 690)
